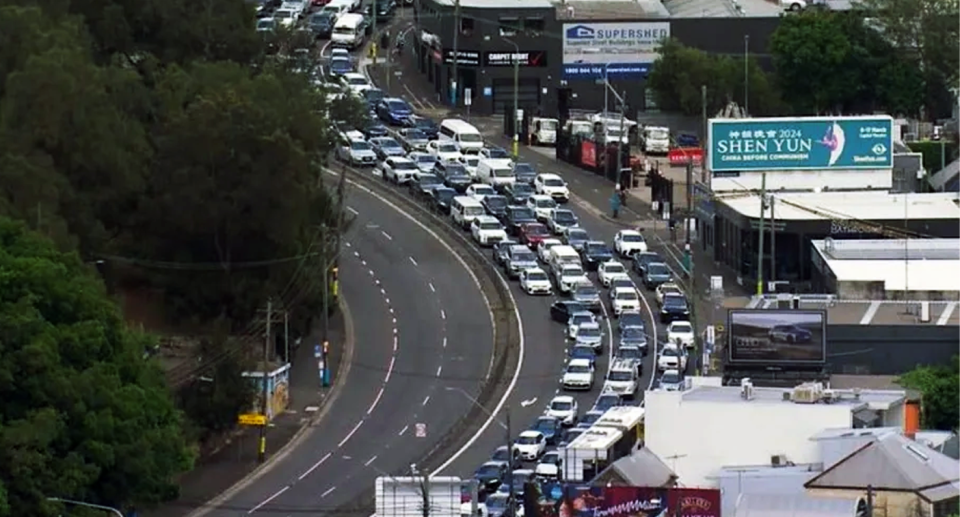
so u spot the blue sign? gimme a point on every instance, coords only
(612, 50)
(317, 351)
(814, 143)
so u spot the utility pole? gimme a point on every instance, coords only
(262, 450)
(763, 203)
(456, 52)
(620, 143)
(516, 97)
(773, 240)
(326, 287)
(746, 74)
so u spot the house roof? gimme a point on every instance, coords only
(942, 492)
(643, 468)
(794, 505)
(891, 462)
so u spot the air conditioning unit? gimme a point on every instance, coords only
(778, 460)
(810, 393)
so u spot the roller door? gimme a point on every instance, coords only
(528, 94)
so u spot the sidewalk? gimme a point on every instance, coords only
(237, 459)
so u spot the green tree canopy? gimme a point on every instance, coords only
(84, 415)
(939, 388)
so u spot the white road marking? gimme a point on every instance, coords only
(403, 430)
(414, 261)
(329, 490)
(363, 262)
(386, 379)
(387, 299)
(653, 323)
(314, 467)
(439, 369)
(350, 434)
(394, 322)
(267, 500)
(432, 289)
(387, 235)
(352, 211)
(871, 312)
(947, 312)
(396, 343)
(444, 341)
(426, 400)
(443, 315)
(368, 462)
(375, 401)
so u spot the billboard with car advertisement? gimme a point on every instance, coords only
(621, 50)
(793, 144)
(789, 336)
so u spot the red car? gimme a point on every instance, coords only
(532, 234)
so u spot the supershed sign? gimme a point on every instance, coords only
(595, 50)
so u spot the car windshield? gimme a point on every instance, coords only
(589, 332)
(389, 143)
(657, 134)
(503, 173)
(527, 440)
(523, 214)
(524, 257)
(526, 168)
(488, 470)
(646, 258)
(626, 295)
(548, 125)
(445, 194)
(561, 405)
(492, 225)
(590, 418)
(582, 351)
(483, 190)
(357, 81)
(424, 123)
(283, 15)
(447, 148)
(614, 268)
(629, 352)
(501, 454)
(398, 106)
(537, 229)
(629, 320)
(551, 457)
(495, 202)
(265, 24)
(658, 269)
(470, 137)
(455, 170)
(359, 145)
(495, 152)
(429, 179)
(522, 189)
(553, 182)
(340, 64)
(577, 235)
(564, 216)
(607, 401)
(578, 319)
(471, 161)
(537, 276)
(426, 158)
(671, 352)
(496, 501)
(675, 301)
(597, 247)
(405, 166)
(578, 368)
(415, 134)
(587, 291)
(670, 378)
(620, 376)
(546, 203)
(373, 95)
(633, 333)
(631, 237)
(681, 328)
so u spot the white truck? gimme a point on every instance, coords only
(655, 140)
(543, 131)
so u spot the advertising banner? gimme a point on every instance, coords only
(681, 155)
(528, 58)
(628, 501)
(777, 336)
(814, 143)
(613, 50)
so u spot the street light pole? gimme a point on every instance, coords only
(516, 97)
(108, 509)
(746, 74)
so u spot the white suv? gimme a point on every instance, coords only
(357, 152)
(672, 358)
(622, 378)
(535, 281)
(578, 375)
(553, 186)
(628, 242)
(487, 230)
(624, 299)
(399, 170)
(610, 270)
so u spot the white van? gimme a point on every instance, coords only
(464, 209)
(563, 254)
(348, 31)
(496, 173)
(338, 8)
(467, 137)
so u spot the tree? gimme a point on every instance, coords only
(939, 388)
(85, 416)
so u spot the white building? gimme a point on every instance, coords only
(700, 431)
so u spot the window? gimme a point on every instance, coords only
(466, 26)
(534, 25)
(509, 26)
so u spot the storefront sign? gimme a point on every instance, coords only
(464, 57)
(813, 143)
(529, 58)
(612, 50)
(682, 155)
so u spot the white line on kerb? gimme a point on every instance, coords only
(432, 288)
(325, 494)
(267, 500)
(350, 434)
(426, 400)
(368, 462)
(387, 235)
(414, 261)
(403, 430)
(314, 467)
(439, 369)
(352, 211)
(443, 315)
(375, 401)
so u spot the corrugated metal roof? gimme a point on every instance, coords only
(643, 468)
(782, 505)
(942, 492)
(891, 462)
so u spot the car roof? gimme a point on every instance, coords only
(495, 463)
(590, 325)
(624, 289)
(622, 364)
(550, 176)
(354, 75)
(679, 322)
(612, 262)
(478, 186)
(583, 313)
(392, 99)
(530, 432)
(563, 398)
(541, 196)
(580, 362)
(400, 159)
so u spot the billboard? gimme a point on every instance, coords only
(777, 336)
(614, 50)
(814, 143)
(628, 501)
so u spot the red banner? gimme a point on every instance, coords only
(628, 501)
(588, 153)
(681, 155)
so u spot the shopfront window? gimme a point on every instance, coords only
(508, 26)
(533, 25)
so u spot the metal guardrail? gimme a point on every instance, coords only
(505, 329)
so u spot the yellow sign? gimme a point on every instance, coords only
(252, 419)
(719, 327)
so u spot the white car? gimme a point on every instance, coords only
(669, 288)
(578, 375)
(671, 380)
(531, 445)
(341, 53)
(623, 378)
(285, 17)
(624, 299)
(541, 205)
(351, 134)
(479, 191)
(425, 161)
(543, 250)
(357, 152)
(611, 270)
(399, 170)
(553, 186)
(579, 318)
(356, 82)
(470, 162)
(560, 219)
(672, 358)
(680, 333)
(444, 151)
(628, 242)
(535, 281)
(563, 408)
(487, 230)
(569, 276)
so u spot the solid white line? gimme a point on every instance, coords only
(432, 289)
(352, 211)
(350, 434)
(414, 262)
(403, 430)
(653, 325)
(267, 500)
(371, 460)
(443, 315)
(325, 494)
(444, 341)
(386, 379)
(375, 401)
(606, 316)
(871, 312)
(439, 369)
(396, 343)
(426, 400)
(314, 467)
(387, 235)
(947, 312)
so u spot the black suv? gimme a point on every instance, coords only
(595, 253)
(517, 216)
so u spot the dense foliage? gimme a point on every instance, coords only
(939, 388)
(84, 416)
(822, 61)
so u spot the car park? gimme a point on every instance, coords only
(560, 219)
(541, 205)
(595, 253)
(387, 147)
(495, 205)
(610, 270)
(562, 311)
(399, 170)
(628, 242)
(564, 409)
(672, 358)
(535, 281)
(549, 427)
(423, 184)
(518, 193)
(486, 231)
(633, 337)
(656, 273)
(357, 152)
(568, 276)
(680, 333)
(624, 299)
(674, 308)
(578, 375)
(670, 380)
(623, 378)
(524, 172)
(413, 139)
(490, 475)
(518, 216)
(581, 316)
(444, 151)
(532, 234)
(519, 258)
(553, 186)
(394, 111)
(576, 237)
(588, 295)
(425, 161)
(642, 258)
(530, 444)
(667, 289)
(543, 250)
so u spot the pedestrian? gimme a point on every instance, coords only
(673, 229)
(615, 203)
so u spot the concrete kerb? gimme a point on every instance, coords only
(305, 431)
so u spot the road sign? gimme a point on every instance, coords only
(421, 430)
(467, 96)
(252, 419)
(317, 351)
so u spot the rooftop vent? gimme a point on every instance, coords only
(746, 389)
(809, 393)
